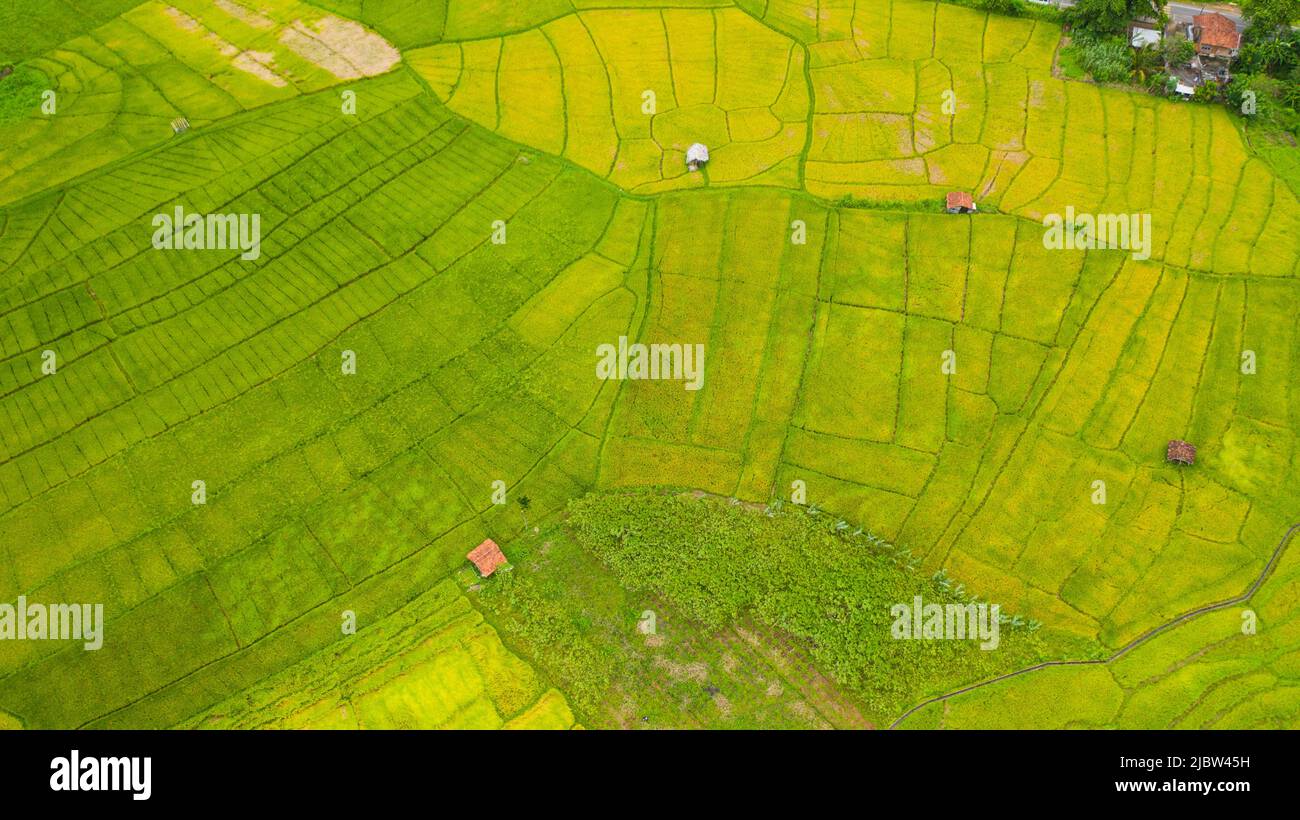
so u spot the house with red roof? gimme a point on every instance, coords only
(959, 202)
(1216, 36)
(487, 558)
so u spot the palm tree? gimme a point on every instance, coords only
(1147, 61)
(1275, 52)
(1291, 96)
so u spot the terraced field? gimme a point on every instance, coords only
(502, 200)
(869, 118)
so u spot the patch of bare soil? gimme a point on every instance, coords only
(222, 45)
(625, 715)
(794, 665)
(344, 48)
(245, 14)
(697, 671)
(256, 63)
(807, 714)
(724, 705)
(183, 20)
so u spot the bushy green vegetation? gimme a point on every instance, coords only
(1106, 59)
(571, 616)
(1269, 67)
(827, 584)
(1103, 17)
(1271, 15)
(20, 93)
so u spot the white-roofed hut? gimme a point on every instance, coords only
(696, 156)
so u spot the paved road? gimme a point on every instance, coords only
(1186, 11)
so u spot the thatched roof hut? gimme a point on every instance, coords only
(1180, 452)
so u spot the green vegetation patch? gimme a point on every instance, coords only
(800, 573)
(20, 93)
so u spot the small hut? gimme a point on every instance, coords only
(959, 202)
(180, 125)
(1180, 452)
(696, 156)
(487, 558)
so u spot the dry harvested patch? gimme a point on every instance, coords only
(695, 671)
(258, 63)
(245, 14)
(345, 48)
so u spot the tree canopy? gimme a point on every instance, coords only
(1113, 16)
(1271, 15)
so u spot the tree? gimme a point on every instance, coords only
(1271, 16)
(1277, 54)
(1207, 92)
(1237, 91)
(1272, 101)
(1010, 7)
(1112, 16)
(524, 503)
(1147, 62)
(1291, 96)
(1178, 50)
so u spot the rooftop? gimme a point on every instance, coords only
(487, 557)
(960, 199)
(1181, 452)
(1217, 30)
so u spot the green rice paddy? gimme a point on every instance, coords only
(329, 492)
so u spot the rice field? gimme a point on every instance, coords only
(502, 199)
(901, 100)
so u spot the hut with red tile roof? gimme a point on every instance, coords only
(487, 557)
(959, 202)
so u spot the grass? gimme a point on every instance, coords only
(32, 27)
(329, 491)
